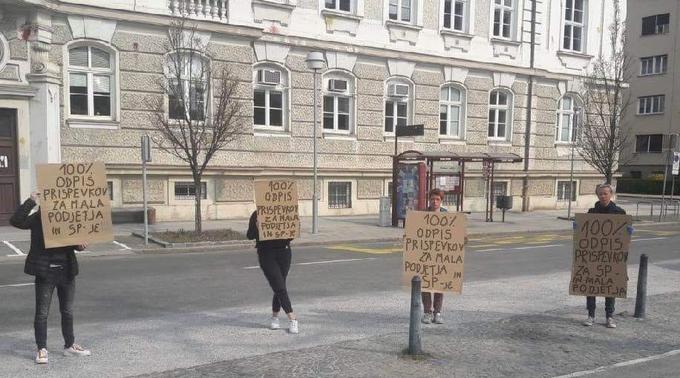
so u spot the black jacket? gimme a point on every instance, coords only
(39, 258)
(254, 234)
(609, 209)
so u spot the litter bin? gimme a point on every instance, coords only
(504, 203)
(385, 212)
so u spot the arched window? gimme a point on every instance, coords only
(452, 111)
(568, 111)
(91, 81)
(338, 102)
(270, 97)
(398, 104)
(500, 114)
(188, 85)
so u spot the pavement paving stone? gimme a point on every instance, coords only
(527, 345)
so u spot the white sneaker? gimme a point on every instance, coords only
(41, 356)
(610, 323)
(276, 324)
(589, 322)
(293, 327)
(76, 350)
(438, 318)
(426, 319)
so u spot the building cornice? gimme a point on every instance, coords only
(9, 90)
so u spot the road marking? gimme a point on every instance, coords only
(319, 262)
(621, 364)
(18, 285)
(13, 248)
(645, 239)
(377, 251)
(487, 250)
(122, 245)
(539, 246)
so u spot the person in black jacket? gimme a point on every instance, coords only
(275, 257)
(605, 205)
(52, 268)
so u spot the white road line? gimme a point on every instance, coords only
(621, 364)
(319, 262)
(486, 250)
(645, 239)
(122, 245)
(13, 248)
(539, 246)
(18, 285)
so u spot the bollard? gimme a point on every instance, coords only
(641, 298)
(414, 339)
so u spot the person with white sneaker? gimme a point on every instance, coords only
(604, 205)
(53, 268)
(275, 258)
(433, 314)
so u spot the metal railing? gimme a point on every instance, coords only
(667, 208)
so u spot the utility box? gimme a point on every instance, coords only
(385, 212)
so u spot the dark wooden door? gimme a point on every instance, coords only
(9, 165)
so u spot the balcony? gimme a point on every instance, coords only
(210, 10)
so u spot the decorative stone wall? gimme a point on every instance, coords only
(369, 189)
(132, 190)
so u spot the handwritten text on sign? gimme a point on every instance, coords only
(74, 206)
(277, 209)
(601, 243)
(434, 245)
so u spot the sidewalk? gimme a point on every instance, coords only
(360, 228)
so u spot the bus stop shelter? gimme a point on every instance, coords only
(415, 173)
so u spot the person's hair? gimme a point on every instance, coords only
(437, 192)
(604, 186)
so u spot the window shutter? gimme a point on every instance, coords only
(102, 84)
(100, 58)
(78, 57)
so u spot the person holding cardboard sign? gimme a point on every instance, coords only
(52, 268)
(604, 205)
(275, 257)
(433, 314)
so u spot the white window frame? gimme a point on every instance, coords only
(649, 140)
(502, 8)
(465, 23)
(570, 24)
(565, 185)
(655, 103)
(649, 65)
(396, 101)
(204, 192)
(349, 93)
(571, 112)
(282, 87)
(461, 104)
(412, 8)
(497, 108)
(352, 6)
(188, 82)
(91, 120)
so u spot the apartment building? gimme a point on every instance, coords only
(498, 76)
(654, 113)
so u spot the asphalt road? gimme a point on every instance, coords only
(125, 287)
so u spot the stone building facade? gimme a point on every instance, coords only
(74, 75)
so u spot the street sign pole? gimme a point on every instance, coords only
(146, 157)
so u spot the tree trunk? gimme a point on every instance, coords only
(198, 226)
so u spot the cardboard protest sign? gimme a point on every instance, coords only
(277, 209)
(434, 248)
(74, 204)
(601, 243)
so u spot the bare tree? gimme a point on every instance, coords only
(605, 102)
(199, 113)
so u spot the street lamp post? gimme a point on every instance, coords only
(315, 61)
(574, 139)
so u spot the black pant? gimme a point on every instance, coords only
(275, 264)
(608, 306)
(66, 289)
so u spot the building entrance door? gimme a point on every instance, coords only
(9, 165)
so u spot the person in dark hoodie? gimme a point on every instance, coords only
(275, 257)
(605, 205)
(52, 268)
